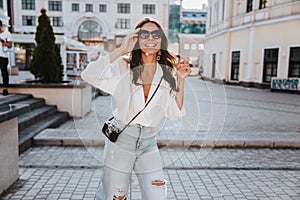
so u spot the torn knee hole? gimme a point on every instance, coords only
(158, 182)
(119, 197)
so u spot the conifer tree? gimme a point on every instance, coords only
(46, 63)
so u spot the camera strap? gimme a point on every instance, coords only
(143, 108)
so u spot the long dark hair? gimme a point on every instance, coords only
(167, 60)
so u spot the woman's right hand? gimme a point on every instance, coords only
(127, 45)
(129, 41)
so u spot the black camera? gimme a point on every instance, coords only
(111, 131)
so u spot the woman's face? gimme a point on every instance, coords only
(150, 38)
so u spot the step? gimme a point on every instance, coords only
(8, 110)
(33, 102)
(29, 118)
(14, 98)
(26, 136)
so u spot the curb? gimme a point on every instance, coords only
(176, 143)
(70, 137)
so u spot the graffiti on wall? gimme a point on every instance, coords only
(285, 84)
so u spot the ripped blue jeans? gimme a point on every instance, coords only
(135, 150)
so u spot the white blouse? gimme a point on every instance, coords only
(116, 79)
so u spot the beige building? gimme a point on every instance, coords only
(248, 42)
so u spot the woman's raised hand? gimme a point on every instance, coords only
(129, 41)
(183, 68)
(127, 45)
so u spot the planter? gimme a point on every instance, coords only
(9, 149)
(74, 97)
(14, 70)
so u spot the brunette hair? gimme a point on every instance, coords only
(167, 60)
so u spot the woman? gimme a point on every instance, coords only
(132, 83)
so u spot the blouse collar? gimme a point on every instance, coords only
(158, 74)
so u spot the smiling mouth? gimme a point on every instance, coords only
(150, 45)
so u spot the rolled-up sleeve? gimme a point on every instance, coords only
(104, 75)
(173, 112)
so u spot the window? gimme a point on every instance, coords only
(123, 8)
(102, 8)
(194, 46)
(28, 4)
(192, 28)
(1, 3)
(223, 10)
(55, 5)
(57, 21)
(201, 47)
(75, 6)
(123, 23)
(28, 20)
(294, 64)
(213, 71)
(249, 6)
(270, 64)
(90, 30)
(235, 65)
(148, 9)
(186, 46)
(262, 4)
(88, 7)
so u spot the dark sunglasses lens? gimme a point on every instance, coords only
(156, 34)
(144, 34)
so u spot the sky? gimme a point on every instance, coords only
(193, 4)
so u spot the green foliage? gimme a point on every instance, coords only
(46, 64)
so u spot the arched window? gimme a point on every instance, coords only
(90, 30)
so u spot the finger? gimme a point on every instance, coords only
(136, 31)
(181, 61)
(187, 61)
(187, 69)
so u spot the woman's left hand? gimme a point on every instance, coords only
(183, 68)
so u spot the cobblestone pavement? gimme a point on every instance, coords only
(74, 173)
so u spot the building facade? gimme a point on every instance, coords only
(100, 25)
(249, 42)
(192, 29)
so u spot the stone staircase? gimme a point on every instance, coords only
(33, 116)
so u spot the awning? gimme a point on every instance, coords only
(75, 45)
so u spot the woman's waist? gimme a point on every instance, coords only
(136, 129)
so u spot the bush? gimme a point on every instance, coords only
(46, 63)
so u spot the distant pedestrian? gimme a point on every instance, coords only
(133, 84)
(200, 72)
(6, 42)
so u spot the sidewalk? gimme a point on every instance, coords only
(240, 118)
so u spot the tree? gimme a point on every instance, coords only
(46, 63)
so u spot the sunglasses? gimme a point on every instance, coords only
(143, 34)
